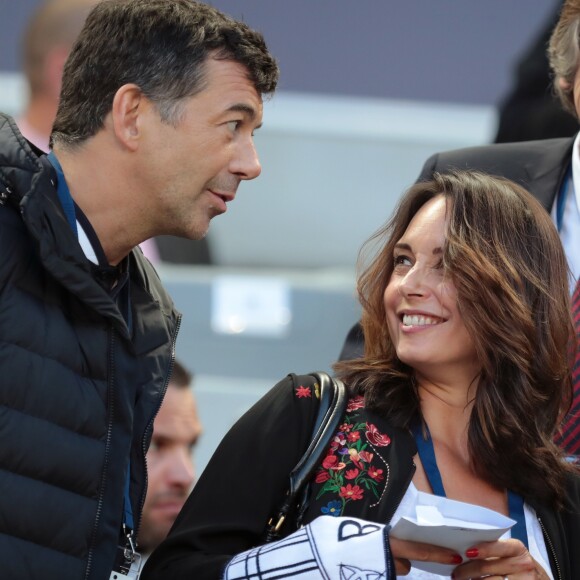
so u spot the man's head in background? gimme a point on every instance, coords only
(46, 44)
(169, 460)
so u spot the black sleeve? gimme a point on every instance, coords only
(572, 525)
(428, 168)
(241, 487)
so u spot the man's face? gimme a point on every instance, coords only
(194, 169)
(170, 466)
(575, 87)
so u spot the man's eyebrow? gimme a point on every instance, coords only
(246, 109)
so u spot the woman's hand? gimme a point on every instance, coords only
(404, 550)
(499, 560)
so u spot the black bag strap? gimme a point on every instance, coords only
(333, 400)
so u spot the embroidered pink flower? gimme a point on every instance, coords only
(322, 476)
(339, 467)
(303, 392)
(353, 492)
(351, 473)
(354, 436)
(355, 403)
(376, 474)
(330, 461)
(354, 457)
(340, 439)
(345, 427)
(366, 456)
(376, 438)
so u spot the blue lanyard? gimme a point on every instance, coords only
(63, 192)
(427, 455)
(561, 201)
(68, 207)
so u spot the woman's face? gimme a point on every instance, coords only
(424, 322)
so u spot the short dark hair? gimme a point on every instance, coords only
(180, 378)
(159, 45)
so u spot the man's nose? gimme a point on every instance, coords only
(181, 469)
(246, 164)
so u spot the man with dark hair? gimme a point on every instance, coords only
(550, 170)
(154, 132)
(170, 469)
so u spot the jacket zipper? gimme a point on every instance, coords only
(107, 448)
(551, 546)
(150, 424)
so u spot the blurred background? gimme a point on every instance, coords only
(368, 91)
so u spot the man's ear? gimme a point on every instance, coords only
(129, 108)
(564, 84)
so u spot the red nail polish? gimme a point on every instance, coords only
(472, 553)
(456, 559)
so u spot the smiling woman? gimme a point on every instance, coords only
(462, 384)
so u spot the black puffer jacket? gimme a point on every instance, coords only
(78, 391)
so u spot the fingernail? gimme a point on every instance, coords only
(472, 553)
(456, 559)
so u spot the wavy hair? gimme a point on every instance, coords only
(564, 53)
(506, 260)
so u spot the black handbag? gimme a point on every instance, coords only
(333, 400)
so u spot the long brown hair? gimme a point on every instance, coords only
(506, 260)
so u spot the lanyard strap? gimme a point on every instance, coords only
(68, 207)
(63, 192)
(427, 455)
(561, 201)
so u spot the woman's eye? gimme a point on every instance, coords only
(402, 261)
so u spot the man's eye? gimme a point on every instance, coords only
(233, 125)
(157, 444)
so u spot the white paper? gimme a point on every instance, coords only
(451, 524)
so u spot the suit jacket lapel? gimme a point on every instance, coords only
(546, 173)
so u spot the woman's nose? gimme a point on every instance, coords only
(415, 282)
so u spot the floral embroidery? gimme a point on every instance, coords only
(355, 403)
(376, 474)
(375, 437)
(330, 461)
(351, 492)
(333, 508)
(351, 473)
(347, 470)
(303, 392)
